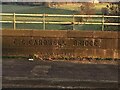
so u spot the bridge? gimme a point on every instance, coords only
(54, 49)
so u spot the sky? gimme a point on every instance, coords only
(57, 0)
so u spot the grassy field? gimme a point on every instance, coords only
(34, 9)
(64, 9)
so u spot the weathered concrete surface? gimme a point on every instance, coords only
(59, 43)
(22, 73)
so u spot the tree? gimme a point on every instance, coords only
(85, 9)
(105, 11)
(114, 10)
(46, 4)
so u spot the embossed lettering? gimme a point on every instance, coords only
(56, 42)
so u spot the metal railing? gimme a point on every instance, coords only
(44, 21)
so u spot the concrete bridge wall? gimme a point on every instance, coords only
(61, 43)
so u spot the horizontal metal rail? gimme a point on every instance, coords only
(59, 15)
(82, 23)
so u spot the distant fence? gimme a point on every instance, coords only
(44, 21)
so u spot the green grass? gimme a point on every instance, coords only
(54, 27)
(63, 9)
(72, 7)
(34, 9)
(90, 27)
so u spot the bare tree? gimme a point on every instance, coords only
(114, 9)
(86, 9)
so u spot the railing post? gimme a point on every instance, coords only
(14, 22)
(73, 27)
(43, 21)
(102, 22)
